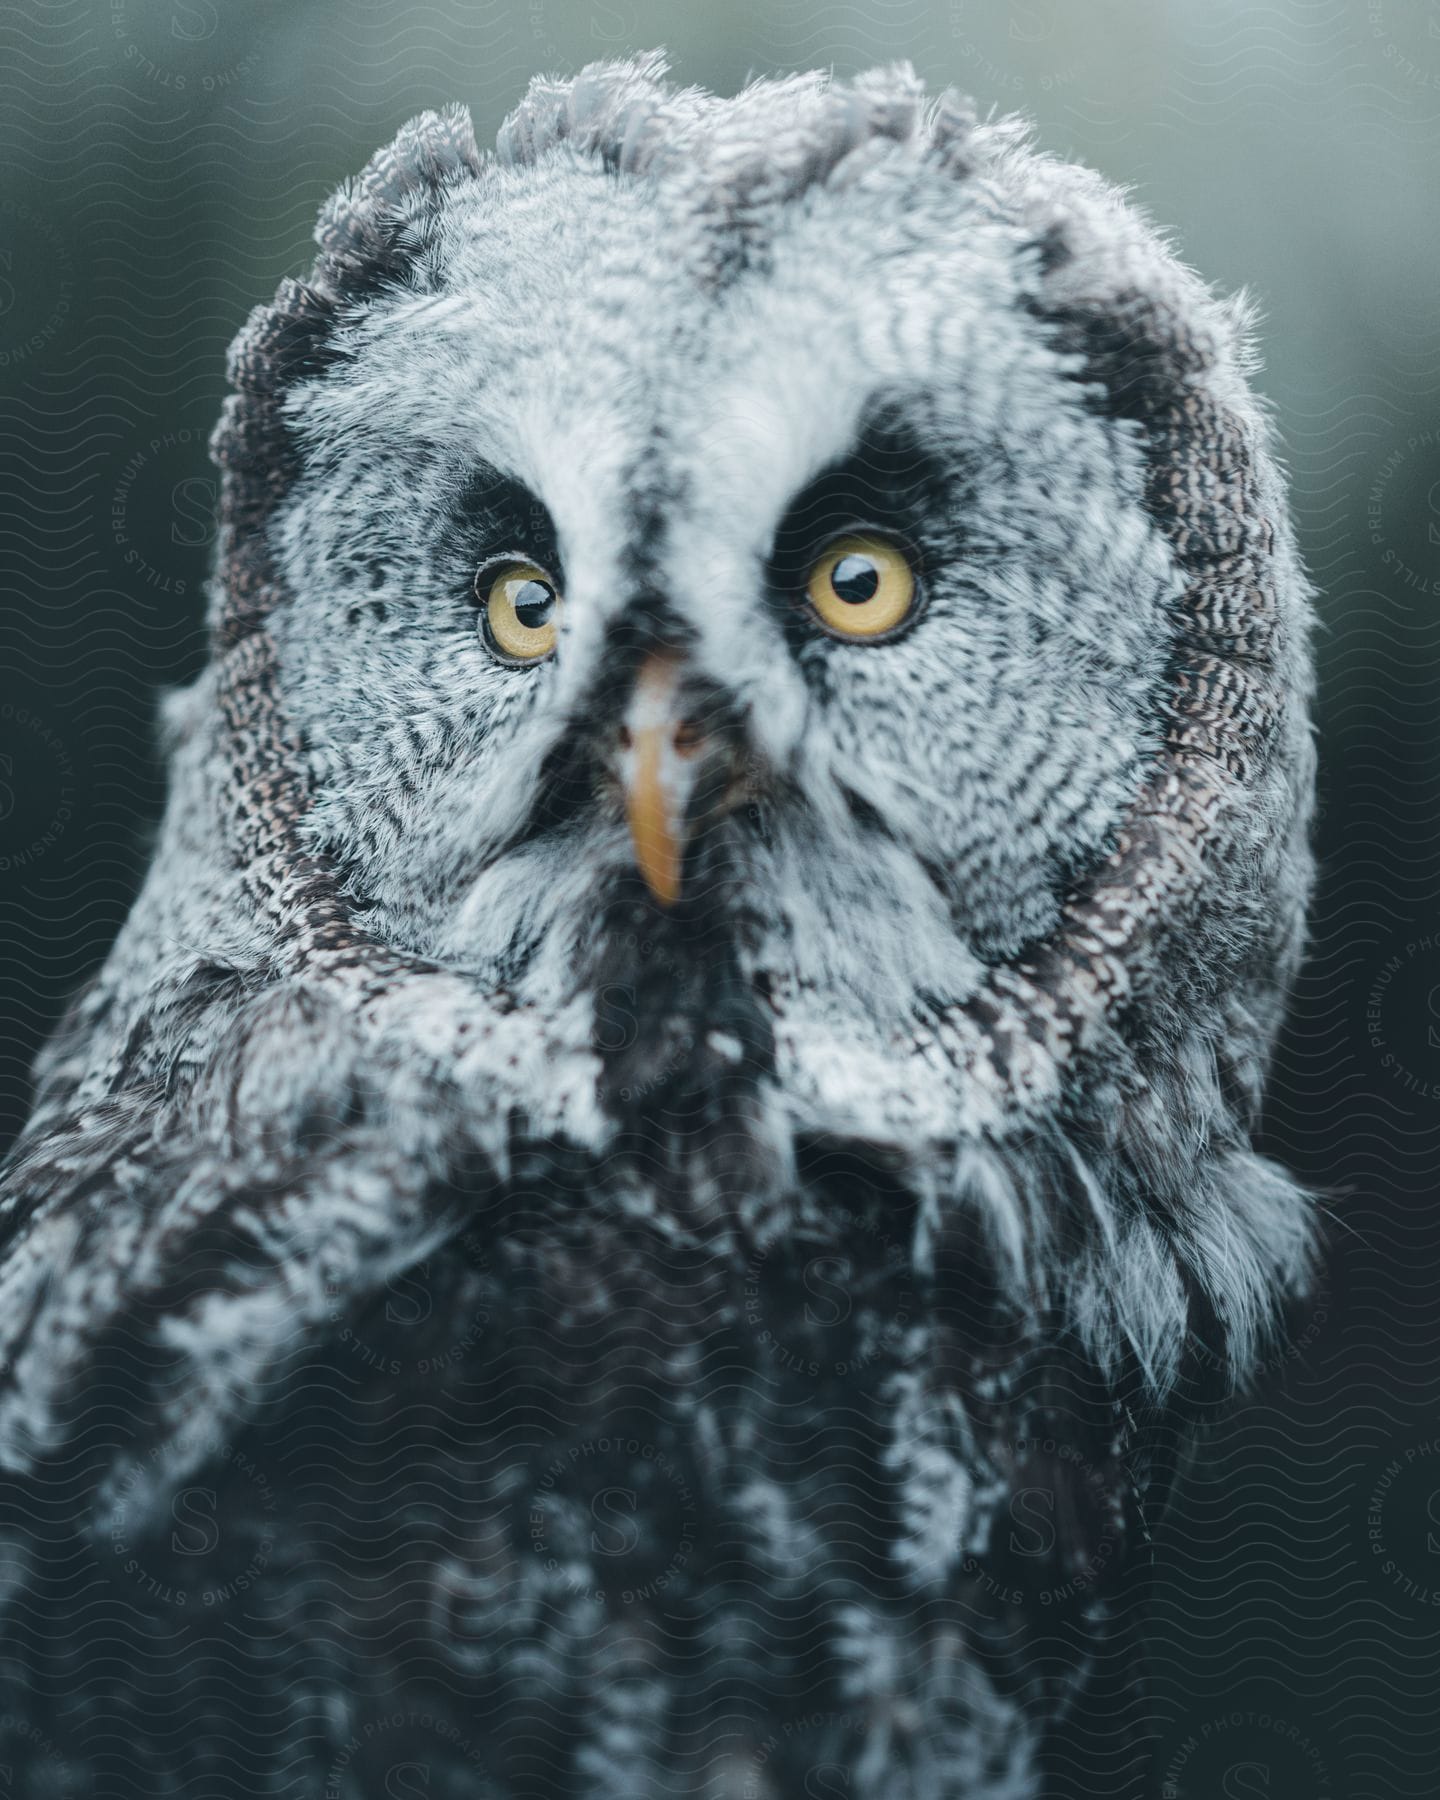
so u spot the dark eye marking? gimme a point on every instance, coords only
(891, 481)
(493, 513)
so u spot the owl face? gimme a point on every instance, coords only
(782, 600)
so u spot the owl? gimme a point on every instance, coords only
(664, 1154)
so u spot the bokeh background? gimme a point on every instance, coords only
(161, 163)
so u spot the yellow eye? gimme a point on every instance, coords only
(520, 610)
(862, 586)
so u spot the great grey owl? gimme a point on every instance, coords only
(639, 1201)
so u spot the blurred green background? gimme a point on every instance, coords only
(161, 164)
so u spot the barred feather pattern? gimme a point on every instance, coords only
(495, 1355)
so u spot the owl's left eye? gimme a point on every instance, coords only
(862, 586)
(519, 610)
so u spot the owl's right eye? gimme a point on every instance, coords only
(519, 610)
(862, 587)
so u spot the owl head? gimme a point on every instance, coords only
(698, 529)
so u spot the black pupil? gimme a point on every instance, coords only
(533, 603)
(855, 579)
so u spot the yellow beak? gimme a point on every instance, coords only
(658, 754)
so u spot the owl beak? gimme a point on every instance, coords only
(663, 760)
